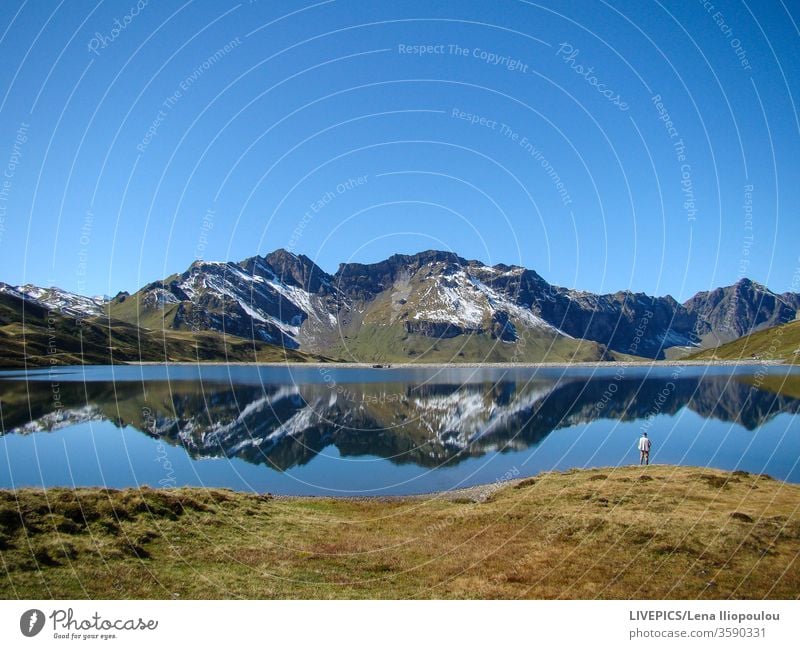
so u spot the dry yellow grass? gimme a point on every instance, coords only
(657, 532)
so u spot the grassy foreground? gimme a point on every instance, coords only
(657, 532)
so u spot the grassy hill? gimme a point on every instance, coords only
(776, 343)
(659, 532)
(391, 343)
(47, 338)
(128, 308)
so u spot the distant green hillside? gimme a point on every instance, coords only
(392, 343)
(776, 343)
(47, 338)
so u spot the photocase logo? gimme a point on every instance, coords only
(31, 622)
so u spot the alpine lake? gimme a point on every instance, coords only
(330, 430)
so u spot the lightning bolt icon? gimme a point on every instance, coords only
(32, 621)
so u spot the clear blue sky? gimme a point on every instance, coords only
(124, 126)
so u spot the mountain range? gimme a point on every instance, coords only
(432, 306)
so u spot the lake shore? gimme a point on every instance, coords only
(657, 532)
(462, 365)
(583, 364)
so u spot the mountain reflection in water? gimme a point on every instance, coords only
(426, 423)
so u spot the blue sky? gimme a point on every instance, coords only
(135, 138)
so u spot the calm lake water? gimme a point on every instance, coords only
(348, 431)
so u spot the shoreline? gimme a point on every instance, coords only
(467, 364)
(406, 366)
(477, 493)
(483, 491)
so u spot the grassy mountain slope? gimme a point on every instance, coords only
(392, 343)
(776, 343)
(131, 310)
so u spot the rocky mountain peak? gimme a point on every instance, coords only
(289, 268)
(732, 311)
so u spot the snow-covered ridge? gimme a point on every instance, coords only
(462, 299)
(272, 308)
(56, 299)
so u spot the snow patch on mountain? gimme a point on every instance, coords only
(671, 338)
(462, 299)
(500, 302)
(56, 299)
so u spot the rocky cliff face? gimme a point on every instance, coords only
(431, 297)
(791, 299)
(728, 313)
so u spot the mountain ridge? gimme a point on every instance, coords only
(433, 305)
(793, 299)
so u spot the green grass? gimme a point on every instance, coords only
(657, 532)
(780, 343)
(127, 309)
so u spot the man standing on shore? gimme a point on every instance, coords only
(644, 449)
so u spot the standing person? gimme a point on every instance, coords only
(644, 449)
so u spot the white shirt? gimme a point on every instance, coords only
(644, 444)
